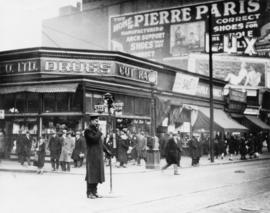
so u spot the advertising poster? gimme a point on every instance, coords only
(238, 27)
(240, 72)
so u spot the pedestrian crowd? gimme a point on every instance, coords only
(66, 147)
(63, 146)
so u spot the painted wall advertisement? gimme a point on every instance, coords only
(238, 26)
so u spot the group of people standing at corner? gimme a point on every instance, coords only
(63, 148)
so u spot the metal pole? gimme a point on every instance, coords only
(110, 160)
(211, 82)
(153, 116)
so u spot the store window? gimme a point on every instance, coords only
(128, 102)
(76, 102)
(61, 122)
(33, 102)
(97, 99)
(20, 102)
(89, 102)
(142, 106)
(1, 101)
(62, 102)
(49, 102)
(9, 103)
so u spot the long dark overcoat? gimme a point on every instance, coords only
(194, 148)
(172, 152)
(55, 147)
(79, 148)
(122, 150)
(41, 151)
(24, 146)
(94, 156)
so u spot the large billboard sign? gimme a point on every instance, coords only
(238, 26)
(239, 72)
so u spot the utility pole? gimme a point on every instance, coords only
(211, 83)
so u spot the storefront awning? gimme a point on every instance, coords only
(52, 88)
(256, 121)
(222, 122)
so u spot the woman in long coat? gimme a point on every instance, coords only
(122, 149)
(40, 153)
(172, 153)
(195, 150)
(94, 158)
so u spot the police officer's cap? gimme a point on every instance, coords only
(93, 117)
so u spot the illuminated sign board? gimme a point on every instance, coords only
(237, 27)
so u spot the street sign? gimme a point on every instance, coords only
(2, 114)
(99, 108)
(118, 106)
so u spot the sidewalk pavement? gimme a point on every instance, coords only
(14, 165)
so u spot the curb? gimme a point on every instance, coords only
(144, 171)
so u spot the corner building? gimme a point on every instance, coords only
(50, 88)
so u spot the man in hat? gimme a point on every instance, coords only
(67, 149)
(55, 147)
(25, 145)
(94, 157)
(79, 150)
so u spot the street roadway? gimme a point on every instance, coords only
(238, 187)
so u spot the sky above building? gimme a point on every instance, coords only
(20, 21)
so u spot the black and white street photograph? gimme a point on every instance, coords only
(132, 106)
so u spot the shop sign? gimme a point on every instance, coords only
(238, 96)
(100, 108)
(252, 111)
(136, 73)
(2, 114)
(22, 66)
(238, 26)
(73, 66)
(186, 84)
(236, 107)
(204, 91)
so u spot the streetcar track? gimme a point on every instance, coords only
(228, 201)
(187, 194)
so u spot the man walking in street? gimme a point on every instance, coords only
(172, 153)
(94, 158)
(55, 147)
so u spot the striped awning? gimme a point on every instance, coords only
(42, 88)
